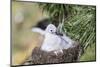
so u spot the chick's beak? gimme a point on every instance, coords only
(58, 33)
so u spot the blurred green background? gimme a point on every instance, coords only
(24, 16)
(80, 24)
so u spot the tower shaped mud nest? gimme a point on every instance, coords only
(41, 57)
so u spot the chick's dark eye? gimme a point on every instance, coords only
(51, 30)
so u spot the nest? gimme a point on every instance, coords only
(41, 57)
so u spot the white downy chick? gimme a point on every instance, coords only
(53, 42)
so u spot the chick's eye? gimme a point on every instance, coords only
(51, 30)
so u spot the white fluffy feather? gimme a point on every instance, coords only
(53, 42)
